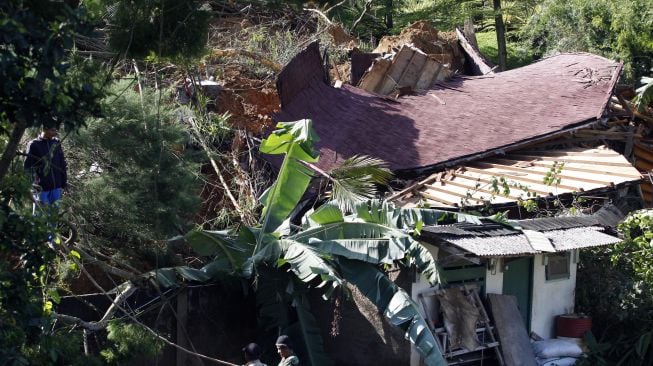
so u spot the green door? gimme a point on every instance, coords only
(517, 281)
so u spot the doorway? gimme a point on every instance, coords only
(518, 281)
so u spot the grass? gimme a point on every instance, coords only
(517, 55)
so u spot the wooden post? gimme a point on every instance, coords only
(501, 34)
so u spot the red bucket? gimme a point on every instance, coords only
(573, 325)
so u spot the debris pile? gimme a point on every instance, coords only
(440, 46)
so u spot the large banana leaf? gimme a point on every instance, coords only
(295, 140)
(385, 213)
(396, 305)
(220, 244)
(306, 263)
(370, 242)
(328, 213)
(349, 230)
(367, 250)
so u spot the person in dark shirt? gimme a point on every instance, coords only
(45, 162)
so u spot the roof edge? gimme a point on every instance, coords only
(429, 169)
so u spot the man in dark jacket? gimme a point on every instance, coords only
(46, 163)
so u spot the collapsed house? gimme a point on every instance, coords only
(544, 133)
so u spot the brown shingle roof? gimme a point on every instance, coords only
(464, 117)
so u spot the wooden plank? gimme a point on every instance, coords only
(522, 179)
(450, 192)
(414, 69)
(646, 154)
(372, 78)
(598, 169)
(438, 199)
(562, 175)
(480, 65)
(473, 189)
(568, 159)
(543, 192)
(430, 71)
(515, 344)
(399, 63)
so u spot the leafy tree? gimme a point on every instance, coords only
(174, 29)
(616, 29)
(616, 289)
(43, 84)
(137, 182)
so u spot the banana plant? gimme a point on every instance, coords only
(329, 249)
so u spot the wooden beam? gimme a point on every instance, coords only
(567, 167)
(548, 158)
(543, 174)
(522, 179)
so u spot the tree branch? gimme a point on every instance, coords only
(368, 6)
(108, 315)
(11, 147)
(320, 14)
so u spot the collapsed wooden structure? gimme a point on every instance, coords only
(551, 133)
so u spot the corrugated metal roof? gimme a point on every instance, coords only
(518, 244)
(523, 171)
(496, 246)
(409, 67)
(580, 237)
(608, 216)
(541, 235)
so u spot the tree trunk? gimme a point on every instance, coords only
(10, 149)
(389, 8)
(501, 34)
(470, 32)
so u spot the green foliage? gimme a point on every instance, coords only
(130, 341)
(167, 29)
(637, 248)
(644, 97)
(41, 80)
(518, 55)
(60, 348)
(135, 182)
(295, 140)
(42, 84)
(355, 180)
(616, 289)
(616, 29)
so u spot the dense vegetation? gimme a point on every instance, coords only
(140, 165)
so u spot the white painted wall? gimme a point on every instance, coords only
(494, 282)
(550, 298)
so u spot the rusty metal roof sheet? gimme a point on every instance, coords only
(522, 172)
(457, 120)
